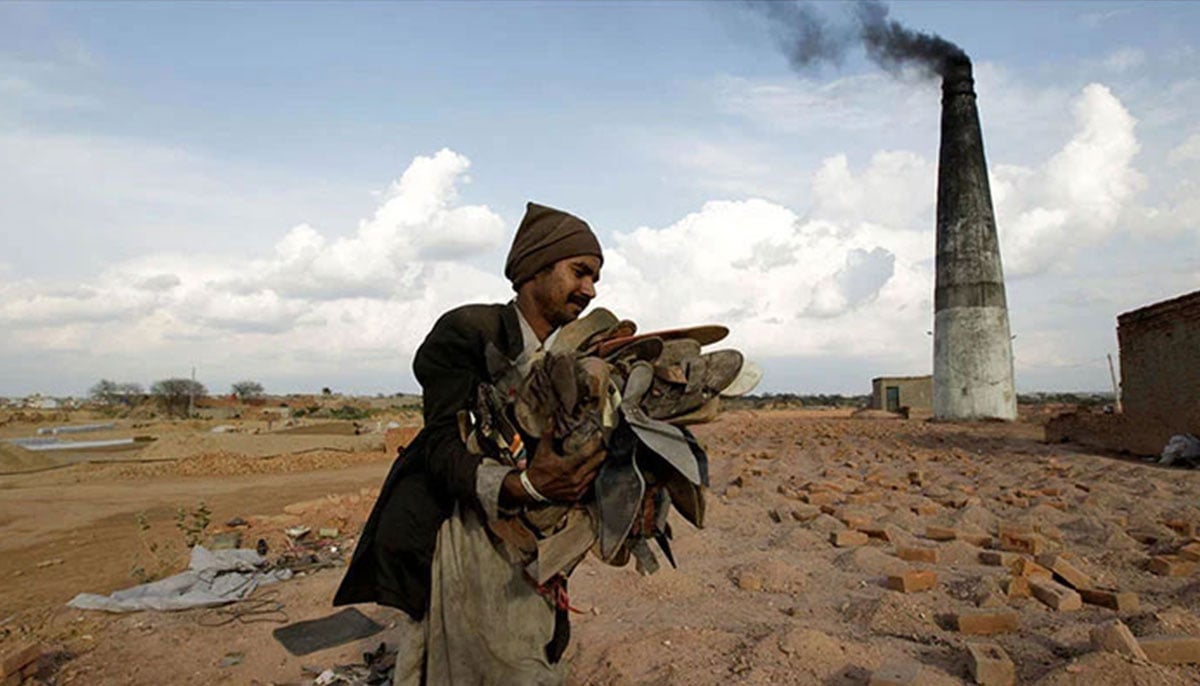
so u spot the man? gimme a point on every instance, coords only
(477, 619)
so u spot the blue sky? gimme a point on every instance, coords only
(157, 159)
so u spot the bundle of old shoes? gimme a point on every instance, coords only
(602, 383)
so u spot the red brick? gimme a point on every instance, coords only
(939, 533)
(1191, 551)
(805, 513)
(878, 532)
(1030, 569)
(1016, 587)
(1066, 571)
(848, 539)
(978, 540)
(1031, 544)
(905, 673)
(1181, 526)
(1114, 637)
(17, 658)
(1171, 565)
(1171, 650)
(864, 498)
(987, 622)
(997, 558)
(990, 665)
(926, 509)
(1121, 601)
(821, 498)
(855, 521)
(918, 554)
(912, 581)
(1055, 595)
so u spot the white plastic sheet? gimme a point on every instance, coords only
(213, 578)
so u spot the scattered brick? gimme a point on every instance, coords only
(1171, 565)
(905, 673)
(1066, 571)
(997, 558)
(912, 581)
(848, 539)
(1011, 529)
(855, 521)
(1030, 569)
(940, 533)
(1171, 650)
(821, 498)
(916, 477)
(918, 554)
(978, 540)
(1031, 544)
(830, 509)
(1181, 526)
(1016, 587)
(864, 498)
(990, 665)
(987, 622)
(1115, 637)
(878, 532)
(1121, 601)
(1191, 551)
(1055, 595)
(926, 509)
(805, 513)
(18, 658)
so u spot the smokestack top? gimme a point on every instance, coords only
(956, 76)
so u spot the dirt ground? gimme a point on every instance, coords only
(761, 595)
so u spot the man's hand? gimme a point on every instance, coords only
(560, 479)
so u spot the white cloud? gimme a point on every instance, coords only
(1077, 198)
(375, 291)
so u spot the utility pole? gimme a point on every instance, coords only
(1116, 389)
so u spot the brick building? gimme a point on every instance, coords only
(1160, 366)
(894, 392)
(1160, 382)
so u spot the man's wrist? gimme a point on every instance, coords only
(512, 493)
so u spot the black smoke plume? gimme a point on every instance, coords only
(809, 39)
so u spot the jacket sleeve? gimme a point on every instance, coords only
(449, 366)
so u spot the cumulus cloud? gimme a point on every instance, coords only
(1048, 214)
(375, 289)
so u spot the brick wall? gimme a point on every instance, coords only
(1160, 365)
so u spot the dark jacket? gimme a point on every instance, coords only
(394, 557)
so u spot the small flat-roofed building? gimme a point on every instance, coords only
(894, 392)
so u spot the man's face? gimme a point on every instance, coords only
(563, 292)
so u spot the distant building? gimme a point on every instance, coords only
(1160, 375)
(894, 392)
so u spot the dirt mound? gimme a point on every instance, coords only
(14, 458)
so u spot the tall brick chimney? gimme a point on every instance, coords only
(972, 347)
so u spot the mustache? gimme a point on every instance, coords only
(581, 300)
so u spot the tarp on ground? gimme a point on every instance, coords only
(214, 577)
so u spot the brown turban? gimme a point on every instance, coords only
(545, 236)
